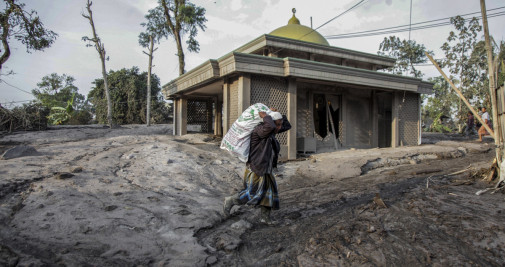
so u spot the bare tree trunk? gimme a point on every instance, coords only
(106, 85)
(180, 54)
(101, 51)
(176, 29)
(149, 68)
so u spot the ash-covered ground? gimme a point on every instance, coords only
(138, 196)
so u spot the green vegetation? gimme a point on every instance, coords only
(177, 18)
(25, 27)
(465, 59)
(59, 95)
(128, 89)
(406, 52)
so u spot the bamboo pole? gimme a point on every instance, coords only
(492, 83)
(490, 131)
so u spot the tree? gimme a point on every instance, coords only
(458, 50)
(55, 90)
(152, 34)
(176, 18)
(25, 27)
(441, 103)
(407, 54)
(128, 92)
(100, 48)
(61, 97)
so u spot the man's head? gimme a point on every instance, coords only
(277, 117)
(483, 109)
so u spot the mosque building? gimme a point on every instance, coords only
(334, 98)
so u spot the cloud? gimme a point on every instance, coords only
(235, 5)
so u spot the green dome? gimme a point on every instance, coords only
(294, 30)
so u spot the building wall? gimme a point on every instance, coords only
(358, 121)
(272, 92)
(408, 113)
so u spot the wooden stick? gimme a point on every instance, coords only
(489, 130)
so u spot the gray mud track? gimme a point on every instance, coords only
(337, 223)
(92, 196)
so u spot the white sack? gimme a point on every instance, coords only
(238, 137)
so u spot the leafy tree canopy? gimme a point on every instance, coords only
(458, 49)
(128, 90)
(61, 97)
(55, 91)
(406, 52)
(25, 27)
(175, 18)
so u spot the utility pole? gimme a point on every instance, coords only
(492, 84)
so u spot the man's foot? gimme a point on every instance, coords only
(265, 216)
(228, 204)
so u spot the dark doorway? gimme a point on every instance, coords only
(320, 115)
(334, 103)
(385, 118)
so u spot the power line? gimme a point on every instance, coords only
(403, 28)
(339, 15)
(15, 87)
(424, 22)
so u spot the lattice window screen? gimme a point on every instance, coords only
(200, 113)
(303, 115)
(408, 119)
(273, 93)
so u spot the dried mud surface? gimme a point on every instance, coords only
(136, 195)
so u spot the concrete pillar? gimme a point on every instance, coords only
(395, 131)
(218, 119)
(375, 120)
(182, 117)
(419, 122)
(345, 121)
(244, 92)
(292, 88)
(226, 107)
(174, 118)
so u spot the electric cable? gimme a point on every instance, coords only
(403, 28)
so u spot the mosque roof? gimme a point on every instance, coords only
(294, 30)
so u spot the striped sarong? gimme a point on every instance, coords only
(259, 190)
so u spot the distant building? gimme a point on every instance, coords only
(334, 98)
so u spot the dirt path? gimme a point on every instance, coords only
(139, 196)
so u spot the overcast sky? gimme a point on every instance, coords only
(231, 23)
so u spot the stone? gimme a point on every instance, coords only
(217, 162)
(62, 175)
(110, 208)
(19, 151)
(242, 224)
(76, 169)
(211, 260)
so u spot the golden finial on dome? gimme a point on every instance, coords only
(293, 19)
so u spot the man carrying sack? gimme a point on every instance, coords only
(260, 187)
